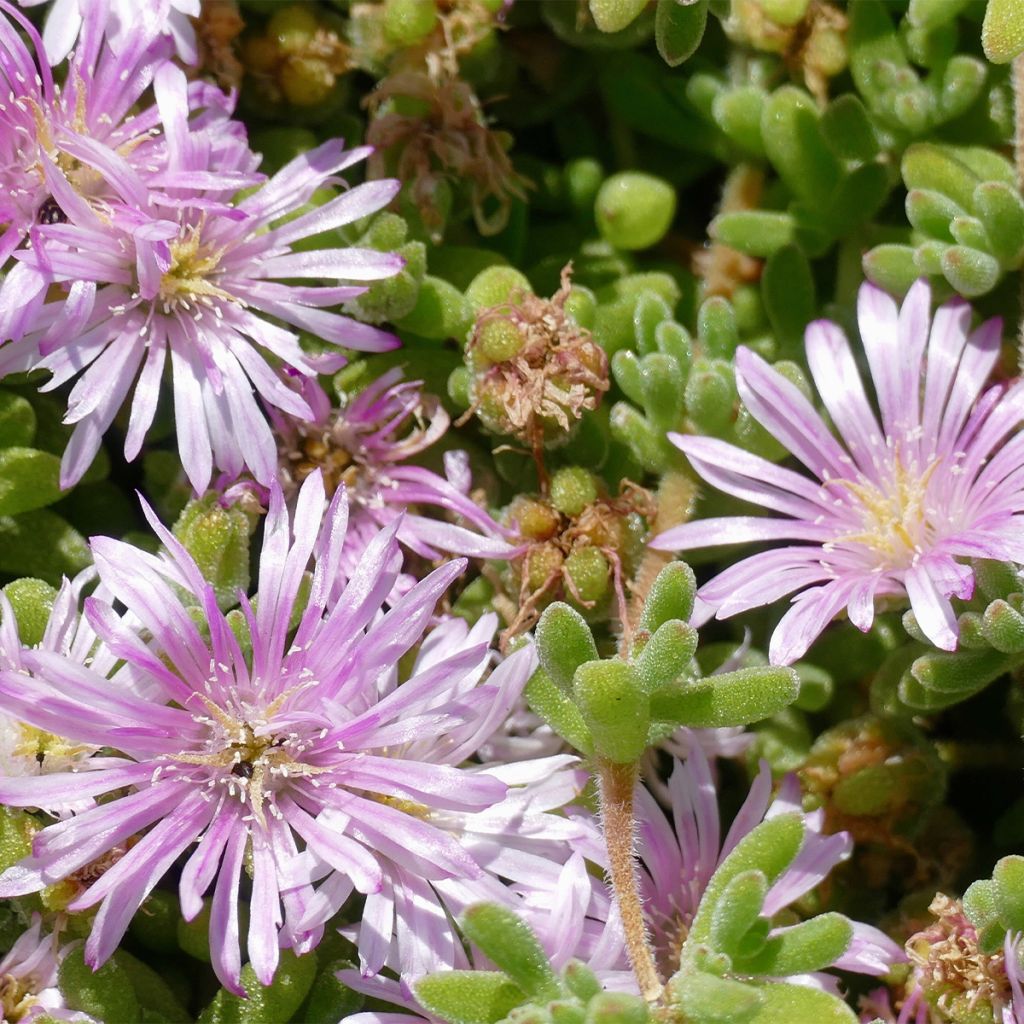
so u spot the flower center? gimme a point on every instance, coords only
(49, 751)
(952, 971)
(895, 521)
(188, 276)
(244, 756)
(317, 448)
(16, 998)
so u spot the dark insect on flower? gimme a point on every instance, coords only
(243, 769)
(51, 213)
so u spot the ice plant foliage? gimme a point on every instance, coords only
(893, 505)
(242, 757)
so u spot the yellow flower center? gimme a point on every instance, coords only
(16, 998)
(188, 277)
(895, 521)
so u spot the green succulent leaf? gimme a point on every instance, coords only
(469, 997)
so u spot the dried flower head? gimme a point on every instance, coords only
(536, 370)
(446, 139)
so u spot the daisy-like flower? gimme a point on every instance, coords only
(679, 858)
(188, 278)
(44, 122)
(891, 506)
(364, 445)
(28, 978)
(66, 20)
(293, 736)
(26, 751)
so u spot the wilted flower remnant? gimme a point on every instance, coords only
(445, 142)
(892, 508)
(535, 371)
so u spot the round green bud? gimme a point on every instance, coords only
(572, 489)
(588, 569)
(583, 178)
(634, 209)
(785, 12)
(496, 285)
(293, 27)
(306, 81)
(408, 21)
(542, 562)
(536, 520)
(499, 340)
(32, 600)
(581, 305)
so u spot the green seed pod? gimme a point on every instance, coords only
(408, 21)
(499, 340)
(589, 572)
(572, 489)
(494, 286)
(611, 699)
(634, 210)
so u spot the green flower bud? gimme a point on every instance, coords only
(634, 210)
(494, 286)
(218, 539)
(441, 311)
(572, 489)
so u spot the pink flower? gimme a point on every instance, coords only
(183, 276)
(66, 19)
(293, 734)
(365, 445)
(890, 509)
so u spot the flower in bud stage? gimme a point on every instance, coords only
(582, 552)
(891, 510)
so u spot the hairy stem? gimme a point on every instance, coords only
(617, 784)
(1017, 78)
